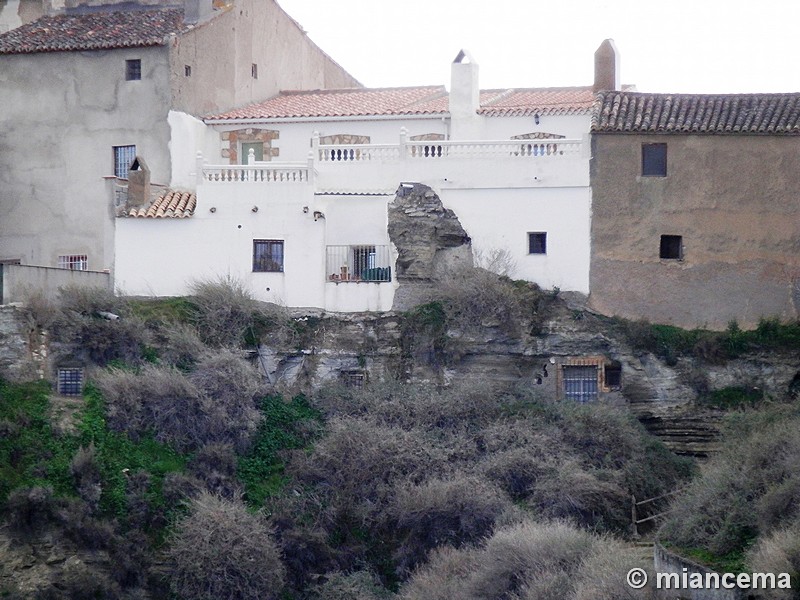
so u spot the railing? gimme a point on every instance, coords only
(442, 149)
(656, 510)
(259, 173)
(358, 263)
(358, 152)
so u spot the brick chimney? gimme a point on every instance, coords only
(196, 10)
(606, 67)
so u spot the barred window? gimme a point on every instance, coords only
(268, 256)
(73, 262)
(123, 158)
(580, 382)
(70, 381)
(133, 69)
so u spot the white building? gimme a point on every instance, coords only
(305, 223)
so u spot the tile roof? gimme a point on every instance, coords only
(93, 31)
(425, 100)
(348, 102)
(633, 112)
(169, 205)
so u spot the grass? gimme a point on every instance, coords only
(733, 397)
(262, 469)
(729, 563)
(164, 310)
(119, 457)
(30, 451)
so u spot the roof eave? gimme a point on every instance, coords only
(326, 119)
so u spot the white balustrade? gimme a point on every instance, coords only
(358, 152)
(258, 173)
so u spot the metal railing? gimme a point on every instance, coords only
(358, 263)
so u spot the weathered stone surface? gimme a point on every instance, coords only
(430, 242)
(21, 354)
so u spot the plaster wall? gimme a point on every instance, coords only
(733, 199)
(220, 243)
(62, 112)
(500, 220)
(222, 50)
(19, 280)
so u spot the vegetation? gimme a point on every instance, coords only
(186, 477)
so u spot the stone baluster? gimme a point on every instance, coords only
(403, 141)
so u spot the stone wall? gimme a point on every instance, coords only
(669, 562)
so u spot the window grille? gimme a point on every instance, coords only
(580, 382)
(123, 158)
(70, 381)
(353, 379)
(133, 69)
(537, 243)
(357, 263)
(268, 256)
(73, 262)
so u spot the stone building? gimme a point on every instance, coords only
(92, 84)
(695, 203)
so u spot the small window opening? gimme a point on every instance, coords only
(654, 160)
(537, 243)
(187, 70)
(612, 374)
(254, 70)
(123, 158)
(70, 381)
(353, 379)
(133, 69)
(671, 247)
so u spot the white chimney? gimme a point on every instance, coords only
(464, 97)
(606, 67)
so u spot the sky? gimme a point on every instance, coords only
(678, 46)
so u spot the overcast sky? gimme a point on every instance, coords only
(701, 46)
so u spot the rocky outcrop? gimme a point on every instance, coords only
(23, 351)
(430, 242)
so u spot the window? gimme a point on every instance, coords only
(254, 70)
(73, 262)
(123, 158)
(133, 69)
(537, 243)
(612, 374)
(654, 160)
(256, 147)
(671, 247)
(580, 382)
(353, 379)
(358, 263)
(268, 256)
(187, 70)
(70, 381)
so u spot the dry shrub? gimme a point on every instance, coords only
(215, 465)
(743, 492)
(602, 574)
(220, 550)
(227, 313)
(778, 553)
(79, 324)
(496, 260)
(214, 404)
(178, 345)
(85, 471)
(78, 581)
(41, 310)
(456, 511)
(31, 508)
(479, 298)
(361, 585)
(527, 560)
(179, 487)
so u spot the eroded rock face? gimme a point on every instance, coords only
(430, 242)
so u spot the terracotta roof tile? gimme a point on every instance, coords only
(753, 114)
(93, 31)
(426, 100)
(169, 205)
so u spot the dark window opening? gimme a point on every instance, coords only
(671, 247)
(70, 382)
(353, 379)
(133, 69)
(537, 243)
(268, 256)
(187, 70)
(654, 160)
(612, 373)
(254, 70)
